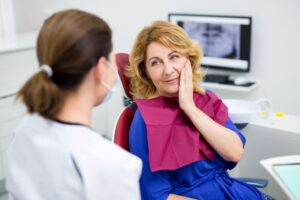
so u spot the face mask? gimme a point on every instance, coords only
(111, 89)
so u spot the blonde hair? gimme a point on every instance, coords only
(70, 43)
(170, 36)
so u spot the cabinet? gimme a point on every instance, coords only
(219, 86)
(15, 68)
(279, 136)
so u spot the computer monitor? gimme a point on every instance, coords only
(286, 172)
(225, 40)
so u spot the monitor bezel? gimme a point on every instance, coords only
(247, 46)
(270, 163)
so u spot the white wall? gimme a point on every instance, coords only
(275, 43)
(28, 15)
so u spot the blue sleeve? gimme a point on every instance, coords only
(154, 185)
(229, 124)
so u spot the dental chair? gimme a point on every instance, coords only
(121, 130)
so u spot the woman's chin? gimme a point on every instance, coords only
(170, 93)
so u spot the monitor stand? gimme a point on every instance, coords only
(216, 78)
(226, 80)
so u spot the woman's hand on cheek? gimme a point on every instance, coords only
(186, 101)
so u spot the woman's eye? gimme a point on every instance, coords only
(174, 57)
(154, 63)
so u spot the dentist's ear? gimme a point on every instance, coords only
(99, 70)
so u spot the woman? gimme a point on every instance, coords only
(55, 154)
(181, 132)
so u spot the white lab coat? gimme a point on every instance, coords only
(48, 160)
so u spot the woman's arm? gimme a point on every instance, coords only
(223, 140)
(177, 197)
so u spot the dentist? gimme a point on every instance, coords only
(54, 153)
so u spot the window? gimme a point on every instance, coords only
(7, 26)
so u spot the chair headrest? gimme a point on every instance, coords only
(122, 60)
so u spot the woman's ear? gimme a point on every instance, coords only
(100, 69)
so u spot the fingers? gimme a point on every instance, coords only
(188, 72)
(186, 86)
(182, 76)
(186, 77)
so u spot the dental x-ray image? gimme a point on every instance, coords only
(217, 40)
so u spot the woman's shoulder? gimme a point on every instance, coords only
(104, 154)
(138, 119)
(80, 141)
(97, 156)
(92, 143)
(100, 161)
(207, 94)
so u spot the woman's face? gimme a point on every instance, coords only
(164, 66)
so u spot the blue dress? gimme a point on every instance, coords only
(204, 179)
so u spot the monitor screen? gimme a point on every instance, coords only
(290, 176)
(225, 40)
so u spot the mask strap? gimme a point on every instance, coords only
(108, 87)
(111, 66)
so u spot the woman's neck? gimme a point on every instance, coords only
(156, 95)
(76, 109)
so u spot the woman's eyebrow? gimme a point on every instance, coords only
(172, 53)
(155, 57)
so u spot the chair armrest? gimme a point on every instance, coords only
(257, 182)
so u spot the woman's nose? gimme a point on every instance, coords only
(169, 68)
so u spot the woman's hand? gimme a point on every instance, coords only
(178, 197)
(223, 140)
(186, 101)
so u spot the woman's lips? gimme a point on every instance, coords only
(172, 80)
